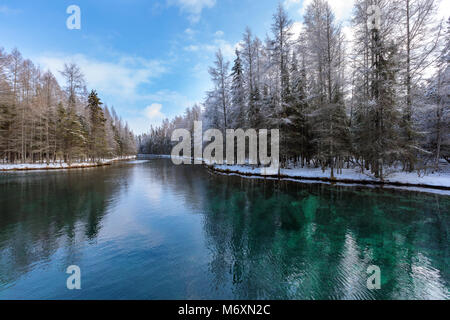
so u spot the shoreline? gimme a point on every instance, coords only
(59, 166)
(346, 181)
(247, 172)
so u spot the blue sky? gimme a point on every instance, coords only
(148, 59)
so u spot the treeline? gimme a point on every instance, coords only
(158, 139)
(376, 101)
(42, 122)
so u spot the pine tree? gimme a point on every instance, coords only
(238, 113)
(280, 48)
(418, 44)
(220, 97)
(255, 118)
(298, 145)
(97, 136)
(324, 52)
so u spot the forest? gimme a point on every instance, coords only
(44, 122)
(373, 97)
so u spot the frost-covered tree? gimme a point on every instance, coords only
(252, 68)
(298, 131)
(436, 118)
(325, 55)
(238, 110)
(389, 111)
(419, 37)
(220, 96)
(40, 122)
(377, 115)
(280, 49)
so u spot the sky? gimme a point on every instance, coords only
(147, 59)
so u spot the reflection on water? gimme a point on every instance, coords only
(151, 230)
(40, 214)
(284, 240)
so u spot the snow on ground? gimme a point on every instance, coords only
(436, 179)
(439, 179)
(58, 165)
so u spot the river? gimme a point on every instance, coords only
(152, 230)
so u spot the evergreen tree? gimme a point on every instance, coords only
(220, 97)
(298, 145)
(97, 138)
(238, 113)
(40, 122)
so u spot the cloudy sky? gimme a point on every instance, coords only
(148, 59)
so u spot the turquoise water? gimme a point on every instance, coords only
(152, 230)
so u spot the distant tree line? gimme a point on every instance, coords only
(43, 122)
(375, 101)
(158, 139)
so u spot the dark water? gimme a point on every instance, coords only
(151, 230)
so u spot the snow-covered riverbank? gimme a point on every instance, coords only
(438, 180)
(58, 165)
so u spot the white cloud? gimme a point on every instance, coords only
(193, 8)
(153, 112)
(152, 115)
(119, 78)
(228, 49)
(341, 8)
(219, 34)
